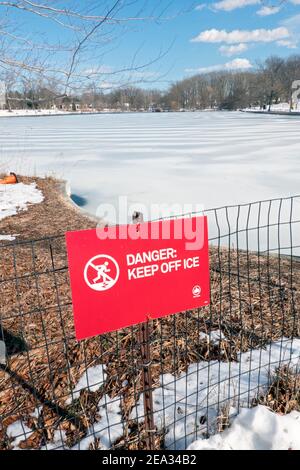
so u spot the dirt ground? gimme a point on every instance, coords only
(254, 300)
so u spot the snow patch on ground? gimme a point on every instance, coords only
(214, 337)
(33, 112)
(256, 429)
(15, 198)
(188, 406)
(57, 442)
(36, 412)
(92, 379)
(282, 107)
(110, 426)
(18, 431)
(7, 238)
(108, 429)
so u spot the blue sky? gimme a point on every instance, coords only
(211, 35)
(277, 33)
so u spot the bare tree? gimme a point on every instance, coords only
(271, 82)
(72, 42)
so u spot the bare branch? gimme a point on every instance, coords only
(27, 59)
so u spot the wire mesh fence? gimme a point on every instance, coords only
(58, 393)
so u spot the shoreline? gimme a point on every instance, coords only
(64, 188)
(54, 216)
(56, 114)
(47, 113)
(65, 215)
(267, 113)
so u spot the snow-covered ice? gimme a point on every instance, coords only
(256, 429)
(202, 158)
(15, 198)
(208, 159)
(187, 406)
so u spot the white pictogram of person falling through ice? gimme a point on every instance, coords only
(102, 271)
(104, 280)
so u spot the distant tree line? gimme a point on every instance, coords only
(270, 82)
(39, 96)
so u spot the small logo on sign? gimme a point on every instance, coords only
(196, 291)
(101, 273)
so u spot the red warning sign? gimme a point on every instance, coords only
(124, 275)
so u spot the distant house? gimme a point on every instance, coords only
(76, 107)
(67, 106)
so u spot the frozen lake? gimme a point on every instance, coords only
(209, 159)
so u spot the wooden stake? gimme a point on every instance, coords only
(144, 342)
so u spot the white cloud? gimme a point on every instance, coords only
(236, 64)
(267, 11)
(229, 5)
(293, 25)
(103, 69)
(200, 7)
(106, 85)
(286, 43)
(229, 51)
(242, 36)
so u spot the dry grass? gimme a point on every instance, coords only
(254, 301)
(283, 395)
